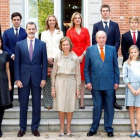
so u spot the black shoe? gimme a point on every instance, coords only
(91, 133)
(110, 134)
(0, 134)
(116, 106)
(21, 133)
(127, 107)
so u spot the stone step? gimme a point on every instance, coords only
(87, 100)
(13, 113)
(77, 125)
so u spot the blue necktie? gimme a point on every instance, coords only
(16, 32)
(106, 27)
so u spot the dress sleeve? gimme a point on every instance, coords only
(54, 72)
(125, 74)
(87, 39)
(77, 74)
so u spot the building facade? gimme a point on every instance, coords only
(121, 10)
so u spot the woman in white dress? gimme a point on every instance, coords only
(66, 84)
(51, 36)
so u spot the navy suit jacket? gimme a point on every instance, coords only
(102, 75)
(127, 42)
(9, 41)
(113, 37)
(36, 70)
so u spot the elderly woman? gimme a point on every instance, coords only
(51, 36)
(81, 40)
(66, 81)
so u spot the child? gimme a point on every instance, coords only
(132, 37)
(131, 77)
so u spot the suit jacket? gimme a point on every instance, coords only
(102, 75)
(127, 42)
(26, 69)
(113, 37)
(9, 41)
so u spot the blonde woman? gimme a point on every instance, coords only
(66, 84)
(51, 36)
(131, 77)
(81, 40)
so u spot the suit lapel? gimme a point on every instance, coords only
(138, 38)
(110, 27)
(25, 47)
(20, 34)
(36, 47)
(130, 37)
(101, 26)
(13, 34)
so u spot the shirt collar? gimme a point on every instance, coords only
(28, 40)
(136, 31)
(1, 51)
(106, 20)
(100, 47)
(17, 28)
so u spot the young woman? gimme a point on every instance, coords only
(66, 81)
(5, 83)
(131, 77)
(81, 40)
(51, 36)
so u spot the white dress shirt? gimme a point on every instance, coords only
(52, 42)
(15, 30)
(100, 49)
(136, 34)
(28, 42)
(108, 21)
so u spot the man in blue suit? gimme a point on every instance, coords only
(102, 77)
(30, 74)
(113, 34)
(10, 38)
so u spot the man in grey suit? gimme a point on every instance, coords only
(102, 77)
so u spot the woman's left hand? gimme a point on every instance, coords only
(77, 94)
(81, 58)
(10, 87)
(50, 61)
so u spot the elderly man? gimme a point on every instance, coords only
(102, 77)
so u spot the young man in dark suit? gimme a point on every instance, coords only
(113, 34)
(132, 37)
(10, 38)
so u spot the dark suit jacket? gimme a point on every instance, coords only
(9, 41)
(102, 75)
(127, 42)
(26, 69)
(113, 37)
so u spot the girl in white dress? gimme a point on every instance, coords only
(131, 77)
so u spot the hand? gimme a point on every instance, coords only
(138, 92)
(19, 84)
(77, 93)
(116, 86)
(81, 58)
(89, 86)
(50, 61)
(134, 92)
(10, 87)
(43, 83)
(53, 92)
(13, 57)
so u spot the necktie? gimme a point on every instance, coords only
(102, 54)
(16, 32)
(31, 50)
(106, 27)
(134, 38)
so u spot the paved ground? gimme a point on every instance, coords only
(77, 136)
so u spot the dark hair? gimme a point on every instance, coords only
(31, 23)
(15, 15)
(1, 38)
(105, 6)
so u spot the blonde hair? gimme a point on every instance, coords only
(129, 58)
(65, 39)
(72, 19)
(133, 18)
(56, 24)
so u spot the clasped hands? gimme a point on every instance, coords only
(19, 83)
(135, 92)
